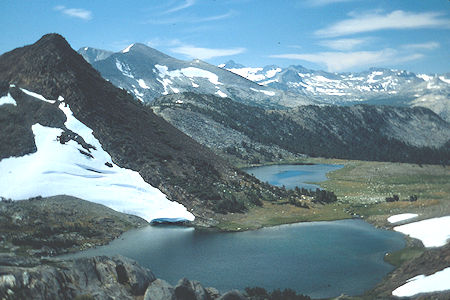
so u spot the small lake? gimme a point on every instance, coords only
(320, 259)
(293, 175)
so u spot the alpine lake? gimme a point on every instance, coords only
(319, 259)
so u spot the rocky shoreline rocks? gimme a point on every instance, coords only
(97, 277)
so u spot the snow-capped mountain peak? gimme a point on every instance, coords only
(148, 74)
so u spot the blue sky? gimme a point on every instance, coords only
(332, 35)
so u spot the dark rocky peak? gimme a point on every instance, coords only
(49, 67)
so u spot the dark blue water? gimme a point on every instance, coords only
(320, 259)
(293, 175)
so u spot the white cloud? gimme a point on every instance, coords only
(324, 2)
(157, 42)
(423, 46)
(205, 53)
(376, 21)
(343, 44)
(214, 18)
(344, 61)
(190, 19)
(75, 12)
(186, 4)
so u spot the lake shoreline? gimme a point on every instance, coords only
(320, 231)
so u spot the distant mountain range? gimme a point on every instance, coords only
(375, 86)
(225, 107)
(148, 74)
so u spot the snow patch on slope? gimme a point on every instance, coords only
(425, 77)
(8, 99)
(221, 94)
(432, 232)
(436, 282)
(268, 93)
(401, 217)
(142, 84)
(37, 96)
(190, 72)
(56, 169)
(446, 80)
(254, 74)
(125, 69)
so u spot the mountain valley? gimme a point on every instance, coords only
(96, 143)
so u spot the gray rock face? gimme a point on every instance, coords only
(97, 277)
(160, 290)
(232, 295)
(184, 290)
(92, 55)
(192, 116)
(190, 290)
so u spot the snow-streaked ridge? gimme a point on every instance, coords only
(56, 169)
(8, 99)
(127, 49)
(37, 96)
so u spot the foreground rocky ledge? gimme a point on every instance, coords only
(97, 277)
(60, 224)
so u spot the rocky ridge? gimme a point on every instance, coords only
(353, 132)
(187, 112)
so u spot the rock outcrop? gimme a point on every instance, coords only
(97, 278)
(85, 278)
(60, 224)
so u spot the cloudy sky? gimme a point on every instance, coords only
(332, 35)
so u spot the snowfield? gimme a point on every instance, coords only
(401, 217)
(221, 94)
(268, 93)
(8, 99)
(69, 169)
(190, 72)
(432, 232)
(437, 282)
